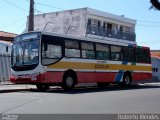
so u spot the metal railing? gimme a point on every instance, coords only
(100, 31)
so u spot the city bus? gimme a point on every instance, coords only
(45, 59)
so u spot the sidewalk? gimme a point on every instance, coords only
(9, 87)
(147, 82)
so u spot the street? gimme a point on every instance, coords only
(87, 100)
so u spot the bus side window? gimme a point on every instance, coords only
(116, 53)
(72, 49)
(102, 52)
(147, 53)
(142, 56)
(88, 50)
(128, 54)
(138, 55)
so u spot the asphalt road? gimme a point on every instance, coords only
(92, 100)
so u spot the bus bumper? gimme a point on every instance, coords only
(28, 79)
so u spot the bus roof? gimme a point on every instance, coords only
(98, 40)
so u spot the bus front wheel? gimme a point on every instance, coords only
(68, 82)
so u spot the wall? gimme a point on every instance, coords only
(71, 22)
(5, 66)
(156, 64)
(5, 61)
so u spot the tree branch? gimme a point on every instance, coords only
(155, 4)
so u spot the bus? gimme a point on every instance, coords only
(45, 59)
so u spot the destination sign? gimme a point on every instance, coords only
(27, 36)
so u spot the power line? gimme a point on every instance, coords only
(141, 21)
(12, 4)
(14, 22)
(50, 6)
(47, 5)
(139, 25)
(64, 9)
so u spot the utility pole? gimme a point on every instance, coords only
(31, 16)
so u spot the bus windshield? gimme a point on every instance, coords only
(25, 54)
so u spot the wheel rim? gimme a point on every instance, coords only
(69, 81)
(127, 80)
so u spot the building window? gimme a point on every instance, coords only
(121, 28)
(104, 25)
(99, 24)
(89, 21)
(7, 49)
(155, 69)
(109, 26)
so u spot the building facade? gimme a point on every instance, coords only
(155, 64)
(87, 22)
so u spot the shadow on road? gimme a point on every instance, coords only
(82, 90)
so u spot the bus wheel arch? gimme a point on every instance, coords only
(69, 80)
(127, 79)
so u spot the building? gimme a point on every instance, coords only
(6, 36)
(87, 22)
(6, 40)
(155, 54)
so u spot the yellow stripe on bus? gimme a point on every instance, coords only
(97, 66)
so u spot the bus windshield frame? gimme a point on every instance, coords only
(25, 52)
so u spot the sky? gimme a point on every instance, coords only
(13, 15)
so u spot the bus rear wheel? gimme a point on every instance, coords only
(126, 81)
(68, 82)
(42, 87)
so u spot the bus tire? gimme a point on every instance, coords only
(68, 82)
(42, 87)
(102, 84)
(127, 80)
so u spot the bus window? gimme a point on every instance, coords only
(128, 54)
(102, 52)
(147, 54)
(88, 50)
(53, 53)
(51, 50)
(142, 55)
(72, 49)
(116, 53)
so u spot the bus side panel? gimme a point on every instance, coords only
(54, 77)
(142, 76)
(105, 77)
(95, 77)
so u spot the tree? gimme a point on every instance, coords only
(155, 4)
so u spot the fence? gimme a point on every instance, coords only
(5, 67)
